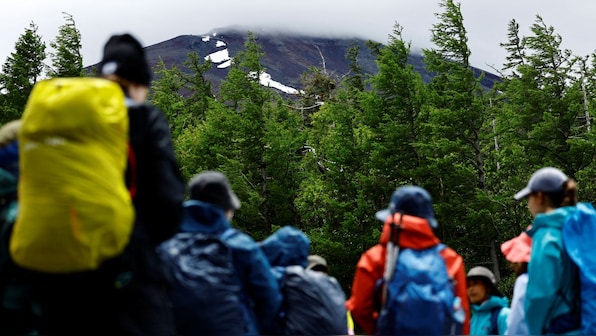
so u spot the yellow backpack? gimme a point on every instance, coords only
(74, 208)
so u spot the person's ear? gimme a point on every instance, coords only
(229, 215)
(541, 198)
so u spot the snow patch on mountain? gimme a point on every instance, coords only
(223, 60)
(218, 56)
(266, 80)
(225, 64)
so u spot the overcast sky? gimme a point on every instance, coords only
(153, 21)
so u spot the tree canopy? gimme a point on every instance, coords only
(327, 160)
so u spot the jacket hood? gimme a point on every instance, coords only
(492, 302)
(554, 219)
(203, 217)
(286, 247)
(415, 232)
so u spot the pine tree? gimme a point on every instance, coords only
(318, 87)
(66, 57)
(394, 110)
(456, 142)
(22, 69)
(184, 96)
(546, 108)
(251, 135)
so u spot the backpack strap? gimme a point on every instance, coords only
(229, 232)
(392, 248)
(440, 247)
(391, 256)
(132, 169)
(494, 321)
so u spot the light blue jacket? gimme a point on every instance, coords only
(480, 323)
(516, 323)
(552, 276)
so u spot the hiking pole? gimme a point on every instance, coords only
(391, 256)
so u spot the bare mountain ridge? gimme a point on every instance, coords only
(287, 56)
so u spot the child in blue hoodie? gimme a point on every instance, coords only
(490, 308)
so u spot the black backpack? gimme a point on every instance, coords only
(205, 292)
(314, 303)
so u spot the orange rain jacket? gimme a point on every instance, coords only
(416, 234)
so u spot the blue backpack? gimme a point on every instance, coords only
(205, 292)
(419, 294)
(578, 234)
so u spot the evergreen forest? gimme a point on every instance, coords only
(326, 161)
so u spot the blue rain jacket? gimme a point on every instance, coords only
(262, 296)
(9, 158)
(480, 324)
(287, 246)
(552, 276)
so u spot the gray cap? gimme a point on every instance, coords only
(213, 187)
(482, 272)
(547, 179)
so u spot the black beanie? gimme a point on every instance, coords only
(124, 56)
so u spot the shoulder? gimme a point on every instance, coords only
(453, 260)
(449, 254)
(146, 114)
(239, 240)
(148, 125)
(373, 256)
(504, 312)
(521, 281)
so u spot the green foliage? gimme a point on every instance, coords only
(184, 96)
(456, 143)
(327, 162)
(20, 72)
(166, 94)
(67, 60)
(248, 133)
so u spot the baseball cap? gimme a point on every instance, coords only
(213, 187)
(547, 179)
(410, 200)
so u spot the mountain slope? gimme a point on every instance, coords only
(287, 56)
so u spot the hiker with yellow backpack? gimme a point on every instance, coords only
(99, 189)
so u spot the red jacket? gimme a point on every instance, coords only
(417, 234)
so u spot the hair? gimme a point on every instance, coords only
(124, 83)
(491, 288)
(567, 197)
(523, 268)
